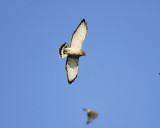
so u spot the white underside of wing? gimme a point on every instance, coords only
(72, 68)
(79, 35)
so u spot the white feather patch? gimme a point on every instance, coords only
(72, 68)
(79, 35)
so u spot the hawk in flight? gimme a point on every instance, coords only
(74, 51)
(91, 115)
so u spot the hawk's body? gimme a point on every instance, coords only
(74, 51)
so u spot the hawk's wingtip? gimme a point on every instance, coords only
(83, 20)
(70, 82)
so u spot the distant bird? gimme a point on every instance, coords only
(91, 115)
(74, 51)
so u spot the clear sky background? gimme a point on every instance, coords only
(119, 78)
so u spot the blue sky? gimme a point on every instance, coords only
(119, 78)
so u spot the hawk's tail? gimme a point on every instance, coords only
(62, 54)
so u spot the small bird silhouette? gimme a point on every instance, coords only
(91, 115)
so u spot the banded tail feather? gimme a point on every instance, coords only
(62, 54)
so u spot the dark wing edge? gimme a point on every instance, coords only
(70, 82)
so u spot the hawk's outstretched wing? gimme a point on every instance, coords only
(79, 35)
(72, 68)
